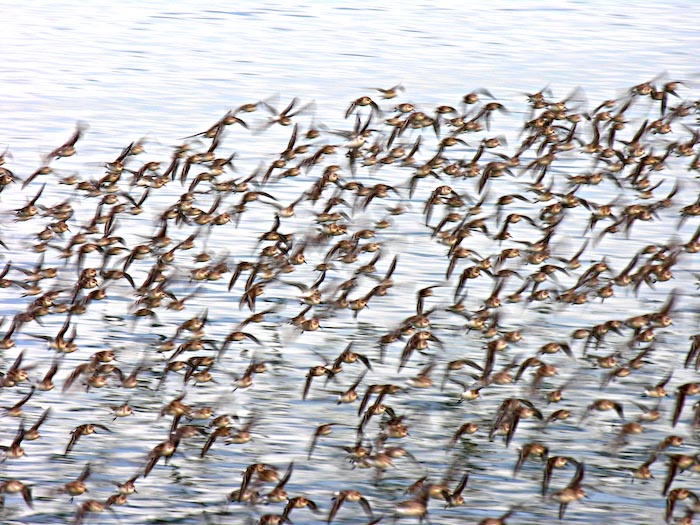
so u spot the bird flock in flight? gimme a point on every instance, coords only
(411, 316)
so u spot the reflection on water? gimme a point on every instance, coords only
(450, 219)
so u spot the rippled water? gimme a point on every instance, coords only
(163, 72)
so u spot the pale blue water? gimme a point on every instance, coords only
(162, 71)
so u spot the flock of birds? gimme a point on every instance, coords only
(435, 310)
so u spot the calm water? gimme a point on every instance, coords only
(162, 72)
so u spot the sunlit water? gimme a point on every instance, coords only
(164, 72)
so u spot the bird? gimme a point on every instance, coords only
(350, 496)
(82, 430)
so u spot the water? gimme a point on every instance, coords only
(162, 72)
